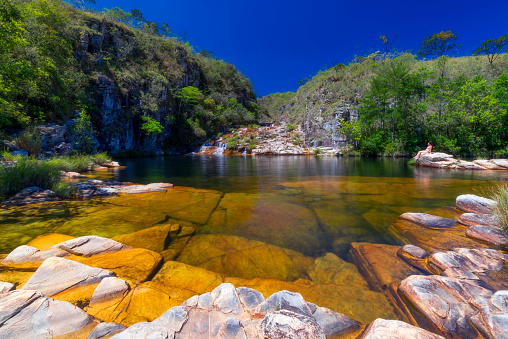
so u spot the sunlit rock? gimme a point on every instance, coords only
(474, 204)
(155, 238)
(394, 329)
(491, 235)
(429, 220)
(43, 242)
(178, 243)
(106, 330)
(471, 219)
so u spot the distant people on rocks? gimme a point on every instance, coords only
(427, 150)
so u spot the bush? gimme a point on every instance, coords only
(290, 127)
(11, 157)
(64, 190)
(28, 172)
(232, 145)
(318, 151)
(73, 163)
(30, 140)
(101, 158)
(501, 207)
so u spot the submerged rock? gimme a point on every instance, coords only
(475, 204)
(155, 238)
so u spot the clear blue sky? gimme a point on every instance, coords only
(277, 42)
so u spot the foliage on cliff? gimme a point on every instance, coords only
(56, 60)
(458, 104)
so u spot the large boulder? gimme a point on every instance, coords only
(475, 204)
(29, 314)
(488, 164)
(395, 329)
(500, 162)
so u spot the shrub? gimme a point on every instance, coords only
(232, 145)
(290, 127)
(500, 209)
(11, 157)
(246, 140)
(318, 151)
(101, 158)
(28, 172)
(30, 140)
(73, 163)
(64, 190)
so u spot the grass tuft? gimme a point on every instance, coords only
(500, 195)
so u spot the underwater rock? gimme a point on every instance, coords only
(243, 258)
(474, 204)
(395, 329)
(330, 269)
(178, 243)
(491, 235)
(155, 238)
(43, 242)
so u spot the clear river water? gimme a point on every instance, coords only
(308, 204)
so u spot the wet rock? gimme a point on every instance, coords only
(6, 287)
(137, 189)
(491, 235)
(155, 238)
(429, 220)
(29, 314)
(111, 164)
(56, 275)
(334, 324)
(380, 265)
(474, 204)
(330, 269)
(471, 219)
(414, 256)
(286, 324)
(488, 164)
(444, 303)
(243, 258)
(92, 245)
(137, 264)
(500, 162)
(31, 195)
(178, 242)
(106, 330)
(395, 329)
(283, 300)
(249, 297)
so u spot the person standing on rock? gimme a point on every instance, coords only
(427, 150)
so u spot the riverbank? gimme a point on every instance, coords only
(447, 161)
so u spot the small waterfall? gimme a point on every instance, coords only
(221, 147)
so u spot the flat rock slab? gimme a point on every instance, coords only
(155, 238)
(491, 235)
(435, 157)
(6, 287)
(444, 302)
(471, 219)
(474, 204)
(488, 164)
(31, 195)
(56, 275)
(429, 220)
(500, 162)
(394, 329)
(29, 314)
(91, 245)
(106, 330)
(110, 288)
(467, 165)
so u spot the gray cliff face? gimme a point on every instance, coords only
(120, 103)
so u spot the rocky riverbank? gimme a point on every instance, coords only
(275, 139)
(443, 160)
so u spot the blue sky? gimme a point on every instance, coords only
(275, 43)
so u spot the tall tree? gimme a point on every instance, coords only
(492, 48)
(438, 44)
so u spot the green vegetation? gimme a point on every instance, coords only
(500, 209)
(50, 69)
(79, 162)
(290, 127)
(27, 172)
(30, 140)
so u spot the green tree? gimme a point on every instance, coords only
(438, 44)
(492, 48)
(150, 125)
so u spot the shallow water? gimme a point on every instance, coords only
(309, 204)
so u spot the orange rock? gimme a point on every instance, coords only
(43, 242)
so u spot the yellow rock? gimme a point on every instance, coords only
(43, 242)
(145, 302)
(185, 277)
(79, 296)
(238, 257)
(18, 278)
(330, 269)
(155, 238)
(178, 243)
(135, 264)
